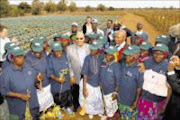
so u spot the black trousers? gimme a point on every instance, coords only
(75, 95)
(63, 99)
(172, 111)
(1, 63)
(1, 99)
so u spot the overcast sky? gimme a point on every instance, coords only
(117, 3)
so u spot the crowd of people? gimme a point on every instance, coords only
(114, 73)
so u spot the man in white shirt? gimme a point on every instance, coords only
(76, 54)
(95, 28)
(3, 41)
(121, 44)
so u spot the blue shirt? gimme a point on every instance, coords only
(5, 64)
(91, 68)
(159, 68)
(131, 79)
(40, 65)
(18, 81)
(55, 66)
(109, 77)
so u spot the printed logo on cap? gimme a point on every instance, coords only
(16, 48)
(101, 37)
(95, 43)
(163, 36)
(144, 43)
(37, 44)
(159, 45)
(111, 47)
(12, 44)
(56, 44)
(130, 48)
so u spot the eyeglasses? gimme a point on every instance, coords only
(79, 38)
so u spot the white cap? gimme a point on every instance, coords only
(94, 21)
(74, 24)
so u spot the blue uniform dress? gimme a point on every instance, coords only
(18, 81)
(61, 92)
(109, 77)
(40, 65)
(131, 79)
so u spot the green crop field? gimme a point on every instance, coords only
(25, 28)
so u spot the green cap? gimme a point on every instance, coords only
(56, 46)
(140, 35)
(111, 50)
(161, 47)
(9, 45)
(163, 39)
(103, 40)
(145, 46)
(17, 51)
(37, 46)
(43, 39)
(94, 46)
(93, 35)
(136, 49)
(132, 49)
(56, 35)
(65, 36)
(73, 37)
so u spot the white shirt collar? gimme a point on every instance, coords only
(139, 32)
(120, 46)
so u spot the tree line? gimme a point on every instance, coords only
(37, 8)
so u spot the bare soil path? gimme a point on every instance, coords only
(130, 21)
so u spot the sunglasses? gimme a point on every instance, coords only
(79, 38)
